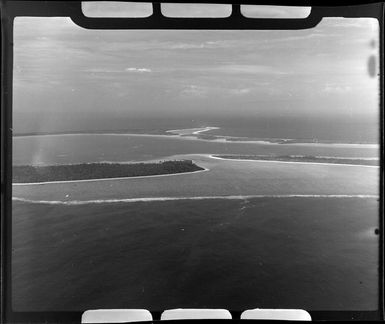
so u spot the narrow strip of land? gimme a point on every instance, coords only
(98, 171)
(301, 158)
(151, 199)
(225, 178)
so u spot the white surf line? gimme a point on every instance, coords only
(196, 131)
(205, 130)
(295, 162)
(340, 157)
(109, 179)
(348, 145)
(154, 199)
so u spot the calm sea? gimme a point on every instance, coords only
(313, 253)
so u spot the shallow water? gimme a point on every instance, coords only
(63, 149)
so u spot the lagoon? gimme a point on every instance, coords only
(85, 148)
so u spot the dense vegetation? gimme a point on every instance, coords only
(28, 173)
(302, 158)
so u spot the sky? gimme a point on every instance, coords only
(67, 77)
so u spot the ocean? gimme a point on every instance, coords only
(241, 234)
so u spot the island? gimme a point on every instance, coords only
(302, 158)
(88, 171)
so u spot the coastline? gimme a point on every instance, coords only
(291, 162)
(196, 134)
(155, 199)
(108, 179)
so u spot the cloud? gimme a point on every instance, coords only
(210, 44)
(247, 69)
(240, 92)
(194, 91)
(187, 45)
(336, 88)
(109, 70)
(138, 70)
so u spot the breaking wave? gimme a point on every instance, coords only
(153, 199)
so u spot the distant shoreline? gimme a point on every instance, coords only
(199, 133)
(27, 174)
(300, 158)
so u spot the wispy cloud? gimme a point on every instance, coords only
(183, 46)
(194, 91)
(111, 70)
(336, 89)
(240, 92)
(138, 70)
(248, 69)
(210, 44)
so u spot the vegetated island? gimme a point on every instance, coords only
(135, 131)
(301, 158)
(88, 171)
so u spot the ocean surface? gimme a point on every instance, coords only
(310, 253)
(241, 234)
(356, 129)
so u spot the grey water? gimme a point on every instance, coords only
(315, 253)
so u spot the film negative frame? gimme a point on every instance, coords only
(72, 9)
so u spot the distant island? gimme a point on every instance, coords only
(198, 133)
(301, 158)
(94, 132)
(87, 171)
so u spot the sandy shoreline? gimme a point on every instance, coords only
(110, 179)
(211, 156)
(292, 162)
(151, 199)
